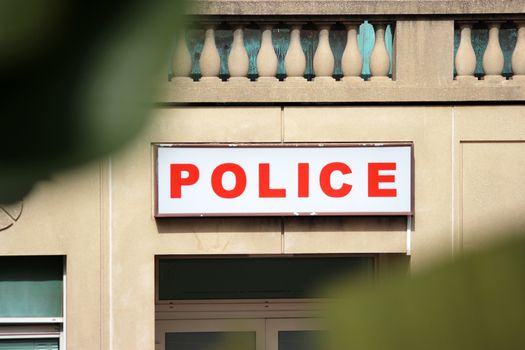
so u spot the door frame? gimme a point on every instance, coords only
(162, 327)
(274, 325)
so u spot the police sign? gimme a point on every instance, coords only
(283, 180)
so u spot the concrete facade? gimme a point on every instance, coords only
(469, 167)
(101, 217)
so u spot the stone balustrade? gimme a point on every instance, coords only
(340, 59)
(490, 50)
(296, 51)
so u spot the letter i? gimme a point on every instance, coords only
(303, 179)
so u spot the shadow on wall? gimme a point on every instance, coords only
(218, 225)
(290, 224)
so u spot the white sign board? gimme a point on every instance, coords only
(234, 180)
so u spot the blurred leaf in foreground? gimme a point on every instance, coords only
(78, 81)
(476, 302)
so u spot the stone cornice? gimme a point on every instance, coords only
(188, 92)
(356, 7)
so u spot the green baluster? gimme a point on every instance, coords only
(195, 42)
(365, 41)
(507, 38)
(480, 38)
(280, 42)
(338, 38)
(309, 42)
(224, 40)
(252, 42)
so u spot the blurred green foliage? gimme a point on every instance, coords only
(476, 302)
(78, 81)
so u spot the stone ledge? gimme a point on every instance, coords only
(339, 92)
(356, 7)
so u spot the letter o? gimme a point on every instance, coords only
(240, 180)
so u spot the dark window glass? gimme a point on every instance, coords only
(210, 341)
(298, 340)
(31, 286)
(254, 278)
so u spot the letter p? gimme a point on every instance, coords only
(177, 181)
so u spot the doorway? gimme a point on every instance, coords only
(247, 303)
(239, 334)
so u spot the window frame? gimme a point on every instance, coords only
(201, 302)
(266, 329)
(274, 325)
(39, 327)
(162, 327)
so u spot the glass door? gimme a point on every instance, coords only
(239, 334)
(293, 334)
(210, 334)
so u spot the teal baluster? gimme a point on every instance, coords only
(309, 41)
(337, 44)
(365, 41)
(507, 39)
(480, 38)
(280, 43)
(252, 42)
(223, 41)
(195, 42)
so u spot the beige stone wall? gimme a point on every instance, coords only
(468, 177)
(469, 169)
(489, 186)
(429, 129)
(62, 216)
(439, 135)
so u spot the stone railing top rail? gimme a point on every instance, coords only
(356, 7)
(188, 92)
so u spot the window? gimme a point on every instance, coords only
(253, 278)
(221, 334)
(239, 334)
(292, 334)
(31, 302)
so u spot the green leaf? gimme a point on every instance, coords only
(476, 302)
(79, 81)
